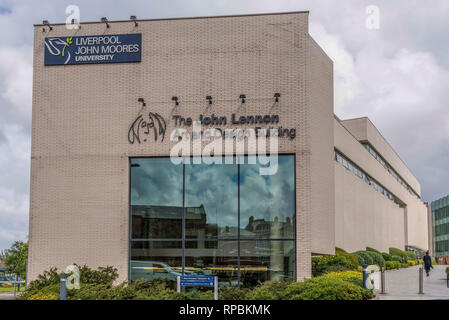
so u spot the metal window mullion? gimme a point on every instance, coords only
(183, 223)
(238, 224)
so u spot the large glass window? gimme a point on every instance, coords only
(215, 258)
(211, 201)
(262, 260)
(156, 260)
(190, 219)
(267, 203)
(156, 199)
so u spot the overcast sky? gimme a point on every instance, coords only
(397, 75)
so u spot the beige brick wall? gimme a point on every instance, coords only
(363, 216)
(81, 117)
(414, 227)
(322, 135)
(364, 130)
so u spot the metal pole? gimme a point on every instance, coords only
(26, 275)
(365, 276)
(15, 284)
(421, 289)
(63, 287)
(215, 288)
(382, 281)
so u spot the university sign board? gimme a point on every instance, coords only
(109, 48)
(198, 281)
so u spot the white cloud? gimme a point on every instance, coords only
(16, 86)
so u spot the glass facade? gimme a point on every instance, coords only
(440, 224)
(212, 219)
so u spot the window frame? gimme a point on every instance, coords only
(183, 239)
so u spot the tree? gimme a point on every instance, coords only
(15, 258)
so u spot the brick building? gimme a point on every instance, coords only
(107, 97)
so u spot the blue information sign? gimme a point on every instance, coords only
(108, 48)
(197, 281)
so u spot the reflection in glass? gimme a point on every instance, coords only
(262, 260)
(156, 260)
(213, 258)
(267, 212)
(211, 201)
(267, 203)
(156, 198)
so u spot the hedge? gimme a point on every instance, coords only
(399, 252)
(355, 277)
(411, 256)
(364, 258)
(377, 258)
(386, 256)
(373, 250)
(326, 288)
(324, 264)
(349, 256)
(332, 286)
(392, 265)
(396, 258)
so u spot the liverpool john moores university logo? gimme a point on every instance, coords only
(57, 47)
(93, 49)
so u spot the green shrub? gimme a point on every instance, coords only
(269, 290)
(103, 275)
(46, 279)
(349, 256)
(199, 295)
(355, 277)
(389, 265)
(447, 271)
(332, 286)
(411, 256)
(364, 258)
(373, 250)
(396, 258)
(399, 252)
(386, 256)
(233, 293)
(411, 263)
(323, 264)
(377, 258)
(326, 288)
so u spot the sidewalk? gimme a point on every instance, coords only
(403, 284)
(6, 296)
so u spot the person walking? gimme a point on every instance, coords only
(427, 263)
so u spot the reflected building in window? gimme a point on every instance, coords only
(206, 236)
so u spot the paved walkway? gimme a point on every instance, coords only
(403, 284)
(6, 296)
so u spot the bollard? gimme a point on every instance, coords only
(365, 276)
(15, 286)
(382, 281)
(421, 279)
(63, 287)
(215, 288)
